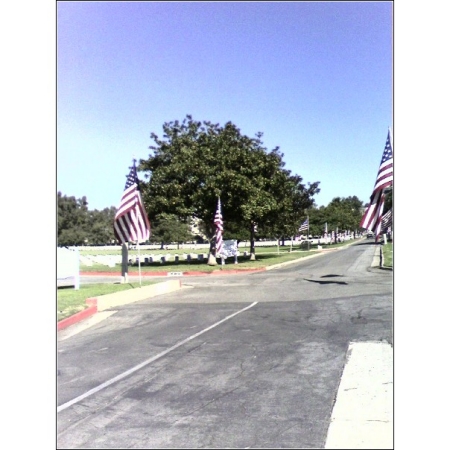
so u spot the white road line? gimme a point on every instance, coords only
(362, 416)
(148, 361)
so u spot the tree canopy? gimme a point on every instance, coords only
(341, 213)
(195, 163)
(192, 166)
(77, 225)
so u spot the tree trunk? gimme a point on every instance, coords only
(212, 260)
(212, 253)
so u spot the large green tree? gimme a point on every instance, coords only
(101, 226)
(341, 213)
(77, 225)
(168, 228)
(195, 163)
(73, 219)
(293, 200)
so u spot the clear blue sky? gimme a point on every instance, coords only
(316, 78)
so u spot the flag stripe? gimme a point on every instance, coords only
(378, 219)
(386, 220)
(371, 219)
(131, 222)
(218, 222)
(304, 226)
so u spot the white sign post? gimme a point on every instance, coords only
(230, 248)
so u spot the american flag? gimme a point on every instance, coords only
(386, 220)
(131, 222)
(377, 229)
(304, 226)
(385, 177)
(218, 222)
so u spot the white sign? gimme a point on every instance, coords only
(68, 266)
(229, 248)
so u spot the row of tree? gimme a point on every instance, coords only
(193, 165)
(77, 225)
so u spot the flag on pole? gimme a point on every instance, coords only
(386, 221)
(377, 229)
(385, 177)
(326, 228)
(218, 222)
(304, 226)
(131, 222)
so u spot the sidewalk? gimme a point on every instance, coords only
(362, 416)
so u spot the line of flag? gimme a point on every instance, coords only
(372, 216)
(218, 222)
(131, 223)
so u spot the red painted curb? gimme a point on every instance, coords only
(78, 316)
(91, 301)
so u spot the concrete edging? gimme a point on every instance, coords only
(134, 295)
(75, 318)
(104, 302)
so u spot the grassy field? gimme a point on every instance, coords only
(264, 256)
(388, 252)
(87, 251)
(262, 260)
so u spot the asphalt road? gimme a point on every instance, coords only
(244, 361)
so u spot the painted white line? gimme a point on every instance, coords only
(362, 416)
(148, 361)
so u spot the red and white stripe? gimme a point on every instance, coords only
(218, 222)
(131, 222)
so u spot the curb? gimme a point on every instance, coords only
(64, 323)
(104, 302)
(107, 301)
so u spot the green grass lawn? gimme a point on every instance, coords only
(262, 260)
(388, 253)
(87, 251)
(264, 256)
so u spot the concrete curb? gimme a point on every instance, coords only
(104, 302)
(134, 295)
(64, 323)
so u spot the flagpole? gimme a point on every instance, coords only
(139, 262)
(307, 218)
